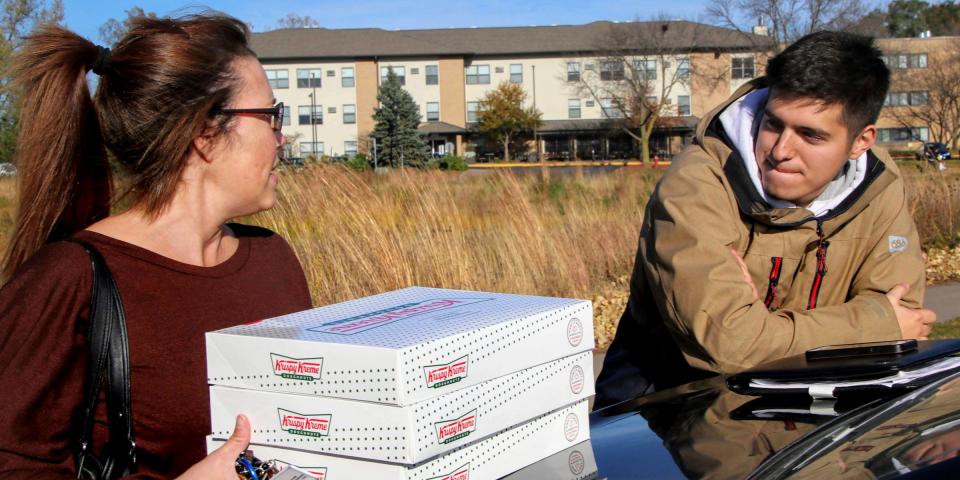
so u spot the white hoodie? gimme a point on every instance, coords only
(741, 121)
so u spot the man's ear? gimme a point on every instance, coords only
(863, 141)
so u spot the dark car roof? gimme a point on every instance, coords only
(704, 430)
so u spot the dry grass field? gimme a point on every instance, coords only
(361, 233)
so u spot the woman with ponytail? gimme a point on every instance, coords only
(184, 111)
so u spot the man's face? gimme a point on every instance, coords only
(801, 146)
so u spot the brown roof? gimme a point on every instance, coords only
(314, 43)
(439, 128)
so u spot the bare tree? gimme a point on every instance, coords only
(640, 68)
(292, 20)
(787, 20)
(113, 30)
(939, 110)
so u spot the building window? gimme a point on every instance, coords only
(309, 77)
(478, 75)
(573, 108)
(683, 105)
(278, 78)
(433, 111)
(350, 148)
(901, 99)
(516, 73)
(286, 115)
(331, 73)
(646, 70)
(346, 77)
(898, 61)
(742, 68)
(349, 114)
(683, 69)
(573, 71)
(611, 70)
(304, 114)
(433, 74)
(400, 72)
(414, 71)
(472, 109)
(610, 110)
(899, 135)
(311, 148)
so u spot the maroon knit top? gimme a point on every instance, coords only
(169, 305)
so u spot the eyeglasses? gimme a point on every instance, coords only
(274, 115)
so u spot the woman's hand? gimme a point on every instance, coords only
(220, 464)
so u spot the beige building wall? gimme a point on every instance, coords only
(452, 92)
(331, 94)
(940, 52)
(367, 81)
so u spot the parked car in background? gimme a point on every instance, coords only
(933, 152)
(7, 169)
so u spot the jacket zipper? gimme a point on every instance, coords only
(774, 280)
(821, 267)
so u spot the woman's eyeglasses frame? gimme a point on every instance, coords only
(274, 114)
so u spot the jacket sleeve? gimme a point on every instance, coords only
(43, 345)
(710, 310)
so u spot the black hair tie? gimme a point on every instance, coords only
(103, 58)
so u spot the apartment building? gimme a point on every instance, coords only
(912, 111)
(328, 79)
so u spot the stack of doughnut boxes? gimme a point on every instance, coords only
(414, 384)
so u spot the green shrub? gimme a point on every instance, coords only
(359, 162)
(452, 162)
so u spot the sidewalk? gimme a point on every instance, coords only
(943, 299)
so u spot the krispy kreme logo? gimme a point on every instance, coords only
(576, 379)
(306, 425)
(453, 430)
(296, 368)
(379, 318)
(442, 375)
(462, 473)
(574, 332)
(571, 427)
(576, 462)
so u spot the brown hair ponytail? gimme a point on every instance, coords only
(64, 178)
(162, 87)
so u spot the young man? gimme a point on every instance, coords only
(777, 231)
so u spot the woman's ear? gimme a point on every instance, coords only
(206, 145)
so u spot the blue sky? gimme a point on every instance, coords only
(86, 16)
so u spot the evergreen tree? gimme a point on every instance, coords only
(397, 118)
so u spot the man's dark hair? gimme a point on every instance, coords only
(833, 67)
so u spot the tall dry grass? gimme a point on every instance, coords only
(359, 234)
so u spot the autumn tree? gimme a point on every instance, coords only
(503, 117)
(113, 30)
(397, 118)
(17, 19)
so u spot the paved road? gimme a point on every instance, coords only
(943, 299)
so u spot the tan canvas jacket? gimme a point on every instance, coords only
(689, 304)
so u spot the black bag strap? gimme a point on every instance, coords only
(109, 359)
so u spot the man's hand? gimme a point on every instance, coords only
(914, 323)
(746, 273)
(220, 463)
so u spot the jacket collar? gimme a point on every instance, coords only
(712, 138)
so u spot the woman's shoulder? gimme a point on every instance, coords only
(60, 260)
(261, 239)
(58, 278)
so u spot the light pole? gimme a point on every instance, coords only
(536, 139)
(313, 113)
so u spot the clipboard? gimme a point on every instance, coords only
(828, 378)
